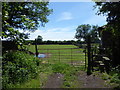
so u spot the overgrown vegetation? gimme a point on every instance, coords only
(18, 67)
(113, 78)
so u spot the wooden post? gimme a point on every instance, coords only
(89, 56)
(59, 55)
(85, 58)
(71, 58)
(92, 60)
(36, 48)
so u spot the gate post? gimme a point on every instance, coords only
(89, 56)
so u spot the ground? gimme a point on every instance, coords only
(91, 81)
(54, 81)
(85, 81)
(72, 55)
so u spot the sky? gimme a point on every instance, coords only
(66, 17)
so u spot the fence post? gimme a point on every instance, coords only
(71, 58)
(89, 56)
(48, 56)
(59, 55)
(36, 48)
(85, 58)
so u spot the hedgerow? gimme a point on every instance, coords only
(18, 67)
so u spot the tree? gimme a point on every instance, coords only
(39, 39)
(94, 34)
(24, 16)
(112, 11)
(83, 30)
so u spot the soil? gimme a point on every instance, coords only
(85, 81)
(54, 81)
(91, 81)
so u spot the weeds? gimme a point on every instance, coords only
(113, 78)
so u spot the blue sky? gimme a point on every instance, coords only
(66, 17)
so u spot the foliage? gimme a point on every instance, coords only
(113, 77)
(68, 42)
(112, 11)
(83, 30)
(39, 39)
(23, 16)
(18, 67)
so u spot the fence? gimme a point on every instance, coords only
(73, 56)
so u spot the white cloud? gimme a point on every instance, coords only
(66, 33)
(65, 16)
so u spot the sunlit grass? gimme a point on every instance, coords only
(58, 56)
(60, 53)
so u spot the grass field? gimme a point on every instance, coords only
(60, 53)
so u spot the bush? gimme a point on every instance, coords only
(18, 67)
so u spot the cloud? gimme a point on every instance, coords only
(65, 16)
(65, 33)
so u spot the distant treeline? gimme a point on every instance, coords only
(69, 42)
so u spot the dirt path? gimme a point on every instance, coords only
(85, 81)
(54, 81)
(91, 81)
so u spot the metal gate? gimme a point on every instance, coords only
(73, 56)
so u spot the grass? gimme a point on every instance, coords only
(45, 70)
(60, 53)
(56, 64)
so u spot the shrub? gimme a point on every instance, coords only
(18, 67)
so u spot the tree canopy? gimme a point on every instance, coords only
(112, 11)
(39, 39)
(83, 30)
(24, 16)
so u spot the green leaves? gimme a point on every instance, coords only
(23, 16)
(18, 67)
(83, 30)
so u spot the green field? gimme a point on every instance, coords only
(60, 53)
